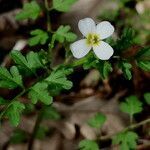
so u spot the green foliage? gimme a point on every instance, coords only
(51, 113)
(132, 105)
(126, 140)
(126, 69)
(39, 92)
(3, 101)
(13, 112)
(91, 61)
(57, 80)
(97, 121)
(18, 136)
(147, 97)
(143, 59)
(63, 34)
(144, 65)
(104, 67)
(88, 145)
(126, 40)
(10, 79)
(29, 108)
(30, 10)
(41, 132)
(63, 5)
(106, 15)
(39, 37)
(29, 63)
(143, 54)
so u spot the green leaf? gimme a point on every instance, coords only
(147, 97)
(88, 145)
(39, 37)
(41, 132)
(144, 65)
(13, 112)
(29, 108)
(29, 63)
(30, 10)
(125, 41)
(63, 34)
(126, 140)
(18, 136)
(143, 54)
(91, 61)
(104, 68)
(63, 5)
(65, 69)
(51, 113)
(126, 69)
(57, 80)
(10, 79)
(132, 105)
(39, 92)
(3, 101)
(97, 121)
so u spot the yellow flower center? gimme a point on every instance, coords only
(93, 39)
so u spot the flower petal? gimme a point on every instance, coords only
(104, 29)
(86, 26)
(103, 51)
(80, 48)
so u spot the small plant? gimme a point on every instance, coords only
(107, 55)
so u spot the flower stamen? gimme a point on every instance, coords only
(93, 39)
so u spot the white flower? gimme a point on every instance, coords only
(94, 34)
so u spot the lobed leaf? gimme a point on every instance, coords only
(63, 5)
(126, 69)
(88, 145)
(104, 68)
(126, 140)
(57, 80)
(30, 10)
(39, 37)
(39, 92)
(97, 121)
(29, 63)
(10, 79)
(13, 112)
(63, 34)
(132, 105)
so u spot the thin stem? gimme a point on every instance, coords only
(131, 119)
(48, 16)
(35, 129)
(80, 61)
(131, 127)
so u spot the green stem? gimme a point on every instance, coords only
(35, 129)
(131, 119)
(80, 62)
(131, 127)
(48, 16)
